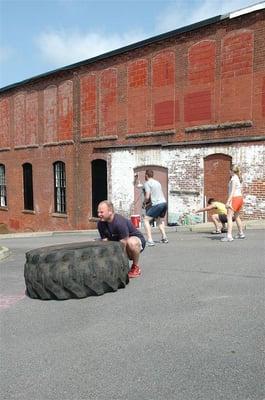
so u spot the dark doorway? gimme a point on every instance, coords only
(99, 184)
(28, 186)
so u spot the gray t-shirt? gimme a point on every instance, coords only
(154, 187)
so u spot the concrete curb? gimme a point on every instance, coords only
(42, 234)
(204, 227)
(208, 227)
(4, 252)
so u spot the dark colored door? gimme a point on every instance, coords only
(99, 184)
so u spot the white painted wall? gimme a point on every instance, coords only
(185, 174)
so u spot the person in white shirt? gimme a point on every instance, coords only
(157, 210)
(234, 204)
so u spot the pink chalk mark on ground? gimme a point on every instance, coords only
(8, 301)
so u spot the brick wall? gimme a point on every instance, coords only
(192, 174)
(206, 84)
(210, 76)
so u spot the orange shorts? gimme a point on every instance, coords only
(237, 203)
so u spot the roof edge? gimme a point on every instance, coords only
(121, 50)
(142, 43)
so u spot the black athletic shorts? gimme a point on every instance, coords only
(223, 218)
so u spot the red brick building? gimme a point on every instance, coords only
(188, 103)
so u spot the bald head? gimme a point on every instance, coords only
(105, 211)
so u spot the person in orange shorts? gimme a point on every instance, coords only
(234, 204)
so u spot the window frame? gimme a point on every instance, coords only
(59, 175)
(3, 186)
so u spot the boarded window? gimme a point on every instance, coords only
(99, 184)
(28, 186)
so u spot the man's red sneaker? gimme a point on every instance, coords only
(134, 271)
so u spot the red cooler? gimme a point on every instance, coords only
(136, 220)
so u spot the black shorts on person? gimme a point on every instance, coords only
(158, 210)
(223, 218)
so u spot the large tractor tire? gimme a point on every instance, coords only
(75, 270)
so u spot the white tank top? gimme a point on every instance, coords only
(236, 182)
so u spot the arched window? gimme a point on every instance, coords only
(28, 186)
(59, 187)
(3, 200)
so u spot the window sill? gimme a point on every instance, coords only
(217, 127)
(150, 134)
(3, 208)
(98, 138)
(63, 142)
(93, 219)
(28, 212)
(58, 215)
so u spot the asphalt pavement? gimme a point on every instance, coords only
(190, 328)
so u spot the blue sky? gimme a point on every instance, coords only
(37, 36)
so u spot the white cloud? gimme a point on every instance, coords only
(183, 12)
(64, 47)
(5, 54)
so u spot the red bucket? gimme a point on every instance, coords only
(136, 219)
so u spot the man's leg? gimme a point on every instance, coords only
(133, 249)
(161, 226)
(147, 227)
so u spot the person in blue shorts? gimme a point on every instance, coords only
(157, 210)
(115, 227)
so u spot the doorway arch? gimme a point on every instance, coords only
(216, 176)
(160, 174)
